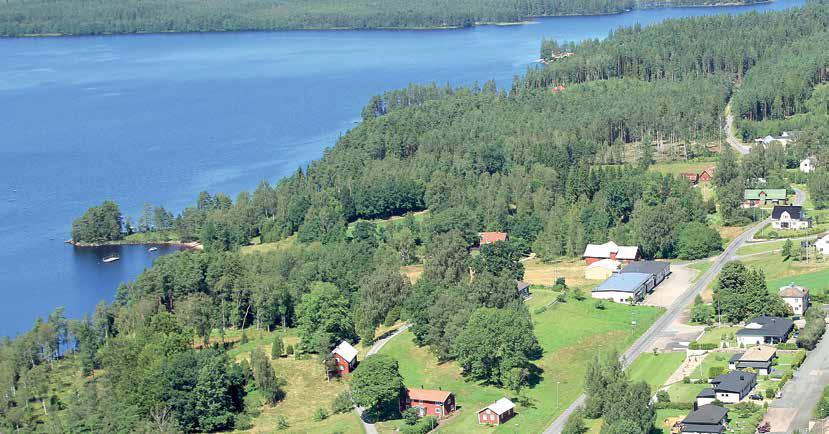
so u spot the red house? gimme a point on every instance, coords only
(610, 250)
(437, 403)
(496, 413)
(491, 237)
(345, 356)
(706, 175)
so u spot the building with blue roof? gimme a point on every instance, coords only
(624, 287)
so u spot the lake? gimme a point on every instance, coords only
(158, 118)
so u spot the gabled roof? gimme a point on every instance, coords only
(346, 351)
(491, 237)
(648, 267)
(708, 414)
(429, 395)
(500, 406)
(600, 250)
(627, 282)
(707, 393)
(793, 291)
(760, 353)
(628, 252)
(733, 381)
(771, 193)
(795, 212)
(520, 285)
(770, 326)
(610, 264)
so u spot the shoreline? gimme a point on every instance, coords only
(191, 245)
(526, 21)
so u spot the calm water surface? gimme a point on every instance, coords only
(158, 118)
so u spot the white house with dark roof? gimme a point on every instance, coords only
(789, 217)
(796, 297)
(757, 358)
(765, 330)
(729, 388)
(706, 419)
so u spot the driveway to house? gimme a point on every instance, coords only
(800, 394)
(369, 428)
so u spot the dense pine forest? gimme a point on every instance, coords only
(558, 160)
(92, 17)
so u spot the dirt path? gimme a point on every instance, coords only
(730, 136)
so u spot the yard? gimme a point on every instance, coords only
(569, 333)
(655, 369)
(537, 272)
(754, 248)
(779, 272)
(717, 334)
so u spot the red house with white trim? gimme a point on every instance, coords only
(437, 403)
(345, 356)
(496, 413)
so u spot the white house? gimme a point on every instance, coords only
(797, 297)
(789, 217)
(808, 165)
(822, 244)
(729, 388)
(764, 330)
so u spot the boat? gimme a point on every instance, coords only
(111, 258)
(152, 249)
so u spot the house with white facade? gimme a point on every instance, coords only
(729, 388)
(789, 217)
(822, 244)
(796, 297)
(808, 165)
(764, 330)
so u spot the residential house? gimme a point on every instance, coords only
(765, 330)
(729, 388)
(705, 419)
(496, 413)
(610, 250)
(437, 403)
(601, 270)
(658, 269)
(345, 356)
(807, 165)
(759, 197)
(706, 175)
(789, 217)
(822, 244)
(797, 297)
(523, 289)
(624, 288)
(757, 358)
(491, 237)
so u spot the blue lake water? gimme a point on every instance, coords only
(158, 118)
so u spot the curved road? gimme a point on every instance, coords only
(369, 427)
(729, 130)
(649, 337)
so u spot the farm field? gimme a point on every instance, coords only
(569, 333)
(537, 272)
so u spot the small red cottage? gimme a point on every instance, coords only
(345, 356)
(706, 175)
(491, 237)
(496, 413)
(437, 403)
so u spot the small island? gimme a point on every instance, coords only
(104, 224)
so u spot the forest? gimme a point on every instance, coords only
(95, 17)
(558, 160)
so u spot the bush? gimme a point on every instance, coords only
(799, 358)
(786, 346)
(686, 380)
(600, 305)
(342, 403)
(289, 350)
(663, 396)
(770, 392)
(540, 310)
(716, 370)
(281, 422)
(319, 414)
(561, 298)
(674, 405)
(244, 339)
(411, 416)
(423, 426)
(702, 346)
(578, 294)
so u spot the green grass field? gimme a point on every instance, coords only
(655, 369)
(569, 333)
(717, 334)
(677, 167)
(779, 272)
(701, 266)
(749, 249)
(152, 237)
(817, 282)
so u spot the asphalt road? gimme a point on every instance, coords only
(649, 337)
(802, 392)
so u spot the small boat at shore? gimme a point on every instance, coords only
(111, 258)
(152, 249)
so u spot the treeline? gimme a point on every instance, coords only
(674, 50)
(780, 84)
(92, 17)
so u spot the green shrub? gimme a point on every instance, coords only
(342, 403)
(600, 305)
(770, 392)
(716, 370)
(281, 422)
(319, 415)
(663, 396)
(423, 426)
(540, 310)
(786, 346)
(289, 350)
(674, 405)
(578, 294)
(702, 346)
(798, 360)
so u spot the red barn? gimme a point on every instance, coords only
(496, 413)
(437, 403)
(345, 356)
(491, 237)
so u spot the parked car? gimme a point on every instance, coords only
(755, 397)
(764, 427)
(779, 394)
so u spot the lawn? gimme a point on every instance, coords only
(817, 282)
(655, 369)
(717, 334)
(258, 247)
(665, 419)
(677, 167)
(753, 248)
(569, 333)
(681, 392)
(701, 266)
(152, 237)
(780, 272)
(537, 272)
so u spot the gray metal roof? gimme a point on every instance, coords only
(649, 267)
(626, 282)
(734, 381)
(707, 414)
(770, 326)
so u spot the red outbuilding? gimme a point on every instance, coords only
(345, 356)
(496, 413)
(706, 175)
(437, 403)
